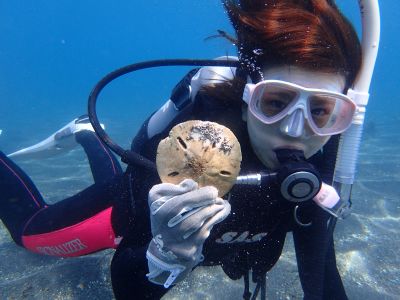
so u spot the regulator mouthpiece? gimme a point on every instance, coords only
(297, 180)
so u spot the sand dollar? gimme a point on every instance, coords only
(206, 152)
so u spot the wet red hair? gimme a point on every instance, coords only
(311, 34)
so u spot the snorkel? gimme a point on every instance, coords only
(350, 140)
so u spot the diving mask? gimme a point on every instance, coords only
(327, 112)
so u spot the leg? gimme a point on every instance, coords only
(75, 209)
(20, 200)
(76, 226)
(70, 223)
(79, 131)
(102, 162)
(81, 222)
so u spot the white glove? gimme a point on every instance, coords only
(182, 217)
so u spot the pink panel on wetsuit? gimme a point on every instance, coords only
(86, 237)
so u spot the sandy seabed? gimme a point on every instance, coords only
(367, 242)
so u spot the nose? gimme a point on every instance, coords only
(293, 124)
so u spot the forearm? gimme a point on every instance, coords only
(128, 275)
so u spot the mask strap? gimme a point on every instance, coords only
(244, 72)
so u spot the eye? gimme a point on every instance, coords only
(275, 104)
(274, 101)
(272, 107)
(319, 112)
(321, 108)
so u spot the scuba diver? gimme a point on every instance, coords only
(285, 99)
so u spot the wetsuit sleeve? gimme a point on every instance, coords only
(128, 275)
(131, 219)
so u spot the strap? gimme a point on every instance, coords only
(246, 293)
(260, 286)
(181, 95)
(329, 158)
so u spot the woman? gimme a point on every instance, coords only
(288, 50)
(306, 43)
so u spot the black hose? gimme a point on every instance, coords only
(129, 156)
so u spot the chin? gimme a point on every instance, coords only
(310, 152)
(268, 158)
(272, 164)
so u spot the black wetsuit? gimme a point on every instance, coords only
(251, 237)
(61, 229)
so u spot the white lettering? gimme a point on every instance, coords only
(63, 249)
(245, 237)
(258, 237)
(226, 237)
(242, 237)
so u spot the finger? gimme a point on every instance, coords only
(175, 209)
(180, 207)
(161, 193)
(221, 215)
(197, 220)
(199, 197)
(168, 190)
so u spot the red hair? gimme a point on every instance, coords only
(311, 34)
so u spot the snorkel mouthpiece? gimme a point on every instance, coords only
(289, 155)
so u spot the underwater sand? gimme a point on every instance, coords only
(367, 242)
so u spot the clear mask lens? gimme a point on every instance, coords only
(324, 109)
(326, 112)
(275, 100)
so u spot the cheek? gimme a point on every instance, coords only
(314, 144)
(258, 132)
(262, 141)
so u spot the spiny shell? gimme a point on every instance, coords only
(206, 152)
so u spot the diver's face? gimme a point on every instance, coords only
(265, 138)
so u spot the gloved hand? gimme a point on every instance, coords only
(182, 217)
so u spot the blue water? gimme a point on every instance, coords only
(53, 52)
